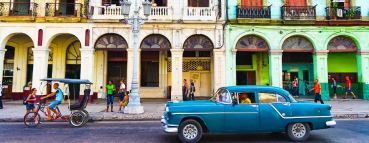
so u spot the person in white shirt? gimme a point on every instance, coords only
(121, 93)
(1, 96)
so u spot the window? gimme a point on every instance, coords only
(198, 3)
(158, 2)
(271, 98)
(222, 96)
(246, 98)
(250, 3)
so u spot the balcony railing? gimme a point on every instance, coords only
(64, 9)
(108, 12)
(343, 13)
(298, 13)
(18, 9)
(253, 11)
(161, 13)
(199, 13)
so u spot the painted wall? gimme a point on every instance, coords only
(342, 62)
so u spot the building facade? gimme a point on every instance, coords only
(91, 40)
(270, 42)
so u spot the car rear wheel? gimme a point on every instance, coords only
(190, 131)
(298, 131)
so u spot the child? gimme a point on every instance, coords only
(124, 102)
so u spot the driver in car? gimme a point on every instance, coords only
(58, 100)
(244, 99)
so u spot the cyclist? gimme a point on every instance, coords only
(58, 100)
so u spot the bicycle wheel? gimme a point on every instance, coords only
(32, 119)
(86, 118)
(77, 118)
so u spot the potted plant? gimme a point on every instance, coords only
(350, 13)
(334, 10)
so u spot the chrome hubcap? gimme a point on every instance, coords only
(298, 130)
(190, 132)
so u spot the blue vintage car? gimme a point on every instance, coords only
(246, 109)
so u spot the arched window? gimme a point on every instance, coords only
(342, 44)
(111, 42)
(297, 44)
(198, 43)
(252, 43)
(155, 42)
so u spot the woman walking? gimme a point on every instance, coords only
(122, 94)
(110, 89)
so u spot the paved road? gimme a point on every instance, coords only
(347, 131)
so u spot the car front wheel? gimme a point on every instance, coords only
(298, 131)
(190, 131)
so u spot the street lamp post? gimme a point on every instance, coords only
(134, 105)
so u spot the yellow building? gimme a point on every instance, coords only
(90, 40)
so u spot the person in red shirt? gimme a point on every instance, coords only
(348, 88)
(317, 91)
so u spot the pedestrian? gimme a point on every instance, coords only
(317, 91)
(192, 90)
(30, 101)
(295, 87)
(110, 89)
(184, 90)
(334, 87)
(349, 88)
(122, 94)
(1, 96)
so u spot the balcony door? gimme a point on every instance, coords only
(301, 3)
(110, 2)
(198, 3)
(21, 7)
(341, 3)
(251, 3)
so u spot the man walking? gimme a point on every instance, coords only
(348, 88)
(192, 90)
(1, 96)
(184, 90)
(334, 87)
(295, 87)
(317, 91)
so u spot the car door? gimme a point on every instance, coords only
(241, 118)
(274, 108)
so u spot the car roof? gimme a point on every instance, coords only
(244, 88)
(66, 80)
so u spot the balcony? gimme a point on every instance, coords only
(108, 12)
(253, 12)
(343, 13)
(199, 14)
(161, 13)
(28, 11)
(298, 13)
(63, 10)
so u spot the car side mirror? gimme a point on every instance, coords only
(234, 102)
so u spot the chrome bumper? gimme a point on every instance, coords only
(331, 123)
(168, 128)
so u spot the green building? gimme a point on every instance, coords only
(270, 42)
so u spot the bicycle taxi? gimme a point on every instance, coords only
(76, 104)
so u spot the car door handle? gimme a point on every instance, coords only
(254, 106)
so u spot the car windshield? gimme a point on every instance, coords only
(221, 96)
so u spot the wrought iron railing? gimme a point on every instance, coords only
(18, 9)
(64, 9)
(298, 13)
(253, 11)
(343, 13)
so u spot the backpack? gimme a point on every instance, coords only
(24, 102)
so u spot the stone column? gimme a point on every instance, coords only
(130, 66)
(233, 68)
(87, 64)
(40, 62)
(321, 71)
(363, 70)
(219, 68)
(275, 68)
(2, 56)
(177, 61)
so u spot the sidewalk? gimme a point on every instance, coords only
(14, 111)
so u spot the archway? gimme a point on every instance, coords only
(342, 62)
(73, 60)
(297, 62)
(154, 52)
(111, 59)
(252, 64)
(15, 65)
(197, 63)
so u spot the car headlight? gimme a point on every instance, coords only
(166, 109)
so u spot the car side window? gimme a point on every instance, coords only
(246, 98)
(224, 96)
(271, 98)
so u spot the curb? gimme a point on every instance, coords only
(95, 118)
